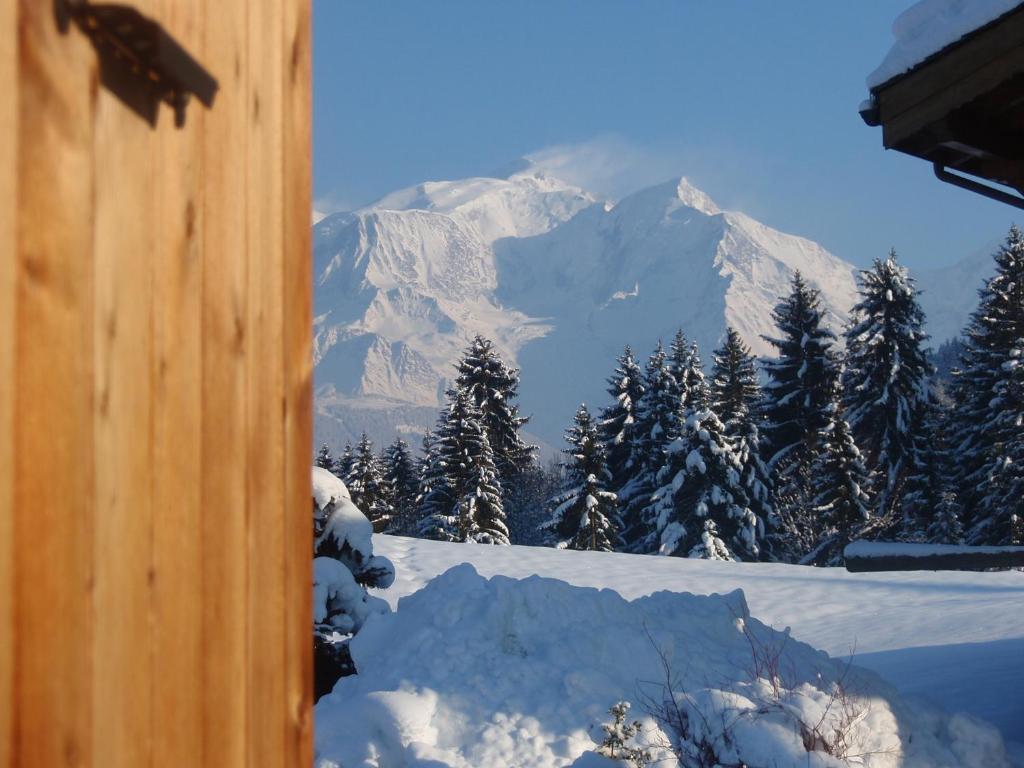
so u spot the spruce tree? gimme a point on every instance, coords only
(795, 408)
(736, 398)
(401, 482)
(990, 405)
(701, 508)
(618, 423)
(464, 501)
(435, 497)
(842, 506)
(735, 391)
(583, 515)
(930, 479)
(493, 388)
(366, 485)
(678, 362)
(343, 463)
(885, 381)
(658, 422)
(324, 459)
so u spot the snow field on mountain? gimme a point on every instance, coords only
(470, 672)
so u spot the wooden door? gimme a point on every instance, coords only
(155, 399)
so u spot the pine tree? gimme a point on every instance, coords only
(583, 514)
(735, 392)
(324, 460)
(493, 387)
(930, 479)
(736, 398)
(435, 497)
(343, 463)
(619, 420)
(796, 406)
(946, 527)
(366, 485)
(701, 508)
(990, 405)
(886, 377)
(658, 422)
(678, 362)
(698, 393)
(842, 506)
(402, 484)
(464, 502)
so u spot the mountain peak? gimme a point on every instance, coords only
(695, 198)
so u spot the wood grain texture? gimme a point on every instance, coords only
(54, 494)
(298, 367)
(226, 342)
(155, 418)
(8, 245)
(176, 374)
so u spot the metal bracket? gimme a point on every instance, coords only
(976, 186)
(140, 62)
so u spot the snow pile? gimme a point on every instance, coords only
(477, 673)
(929, 26)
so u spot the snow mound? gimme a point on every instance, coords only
(475, 672)
(927, 27)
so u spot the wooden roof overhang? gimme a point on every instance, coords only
(962, 109)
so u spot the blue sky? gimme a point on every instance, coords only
(755, 101)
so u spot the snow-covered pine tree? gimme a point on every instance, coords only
(658, 423)
(493, 388)
(735, 391)
(324, 459)
(990, 405)
(885, 381)
(946, 527)
(930, 482)
(701, 508)
(736, 399)
(618, 420)
(526, 511)
(698, 392)
(678, 361)
(583, 515)
(365, 482)
(464, 502)
(795, 408)
(842, 505)
(435, 497)
(402, 484)
(343, 463)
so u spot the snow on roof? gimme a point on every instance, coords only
(929, 26)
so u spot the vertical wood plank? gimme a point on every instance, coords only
(177, 443)
(226, 339)
(53, 450)
(8, 244)
(298, 404)
(123, 246)
(265, 444)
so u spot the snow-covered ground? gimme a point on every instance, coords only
(955, 640)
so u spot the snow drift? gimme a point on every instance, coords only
(473, 672)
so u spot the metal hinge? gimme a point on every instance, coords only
(140, 62)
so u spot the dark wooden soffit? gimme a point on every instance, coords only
(963, 108)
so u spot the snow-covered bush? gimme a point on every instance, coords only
(343, 567)
(618, 738)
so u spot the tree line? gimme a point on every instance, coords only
(787, 458)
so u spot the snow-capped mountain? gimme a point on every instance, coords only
(559, 280)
